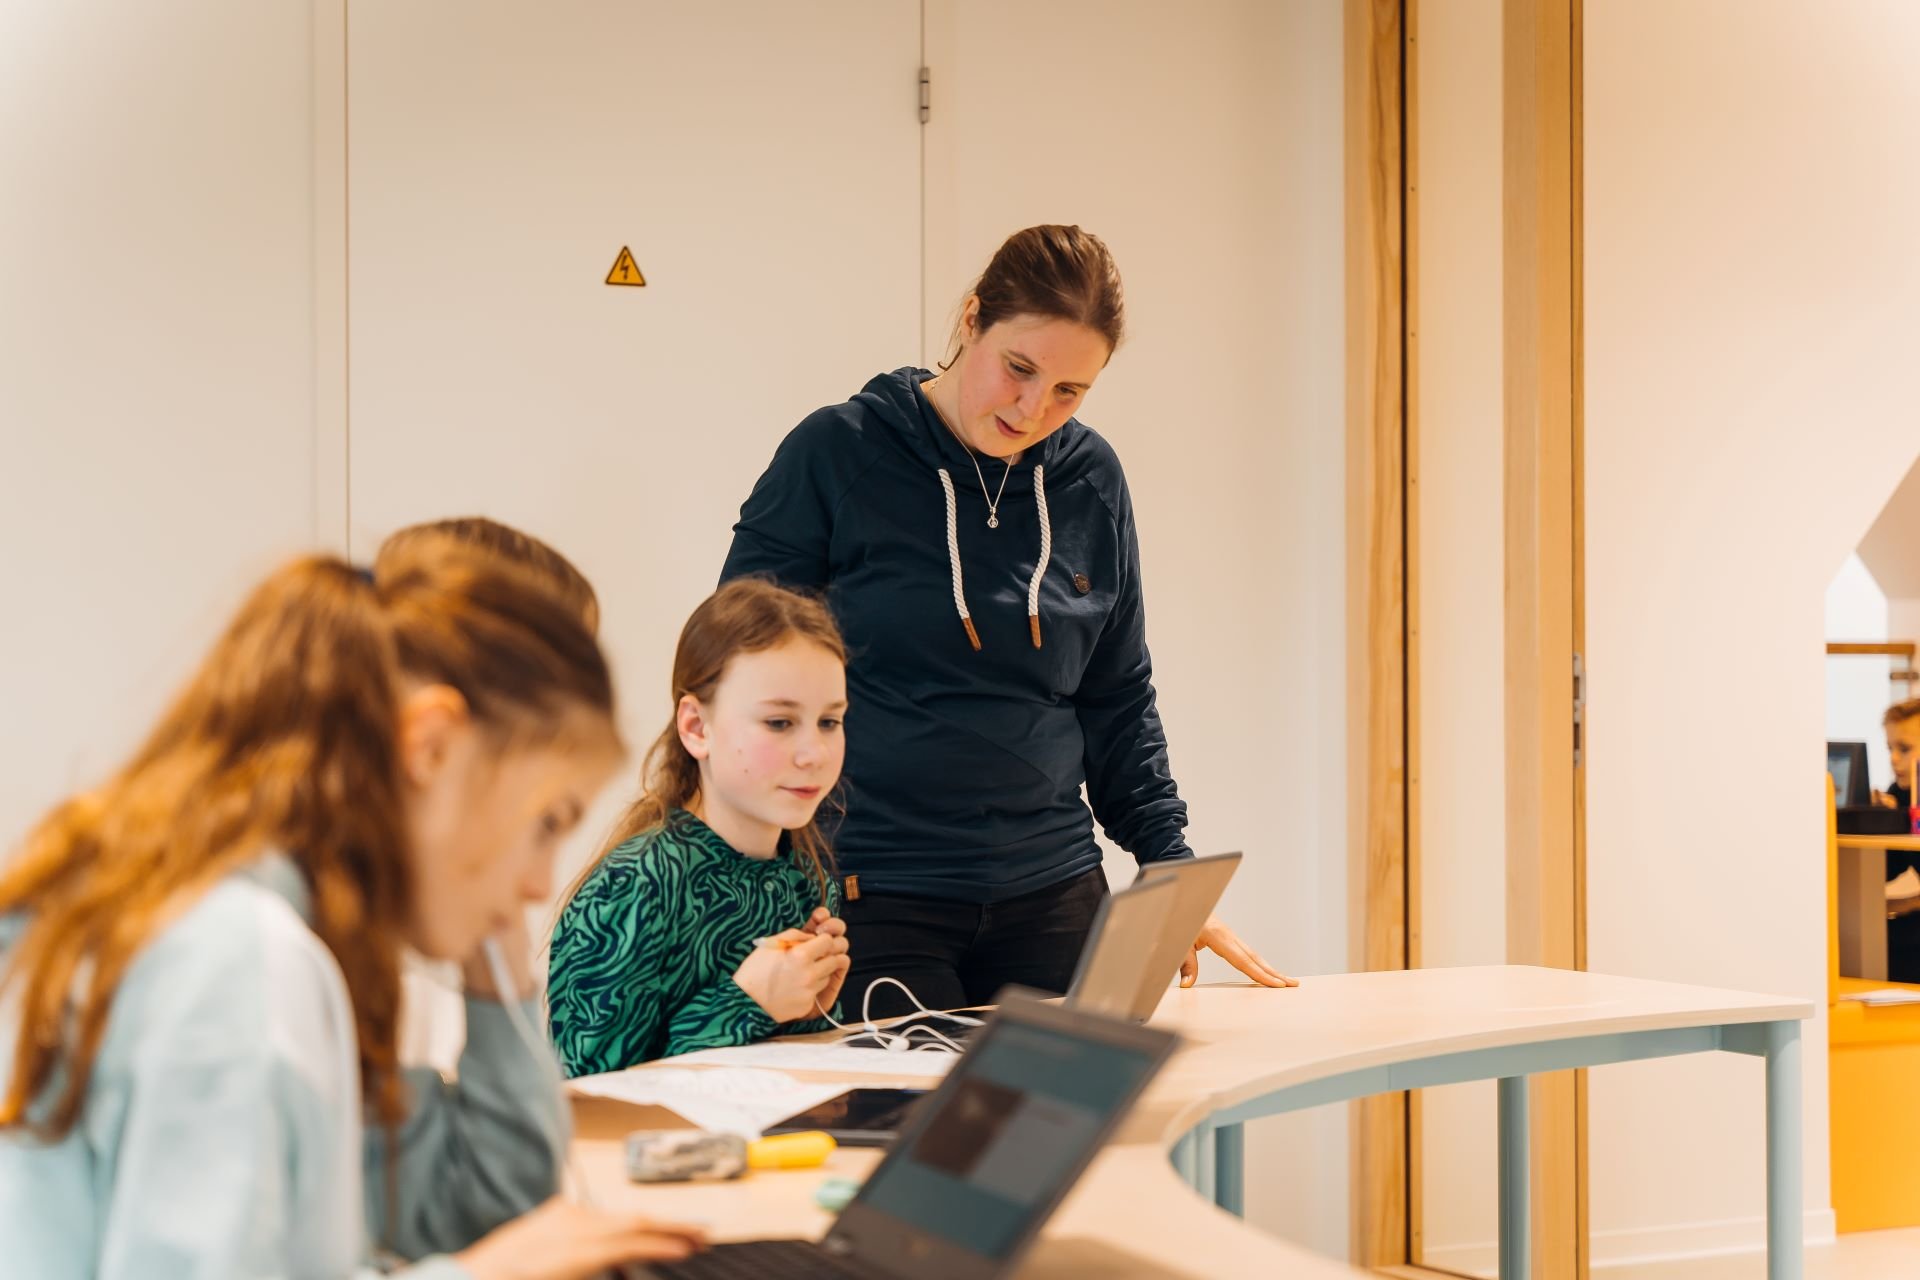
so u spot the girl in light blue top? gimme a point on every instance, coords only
(199, 961)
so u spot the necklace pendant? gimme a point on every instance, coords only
(993, 522)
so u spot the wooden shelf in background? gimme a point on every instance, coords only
(1895, 649)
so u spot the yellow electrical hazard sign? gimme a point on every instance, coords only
(625, 270)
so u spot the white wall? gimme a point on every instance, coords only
(1459, 550)
(1903, 623)
(156, 358)
(1857, 685)
(1891, 548)
(1891, 553)
(500, 156)
(1752, 309)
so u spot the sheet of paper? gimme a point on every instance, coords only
(1885, 995)
(1905, 885)
(927, 1063)
(730, 1099)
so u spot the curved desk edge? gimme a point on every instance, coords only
(1205, 1139)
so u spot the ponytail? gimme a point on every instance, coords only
(285, 738)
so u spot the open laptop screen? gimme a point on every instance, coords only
(1021, 1120)
(1123, 951)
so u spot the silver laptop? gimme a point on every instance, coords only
(1144, 931)
(1140, 934)
(981, 1163)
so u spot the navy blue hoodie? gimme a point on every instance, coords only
(964, 768)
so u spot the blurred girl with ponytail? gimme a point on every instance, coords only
(200, 959)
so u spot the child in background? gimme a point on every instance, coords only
(463, 1067)
(200, 959)
(711, 919)
(432, 1031)
(1902, 723)
(479, 535)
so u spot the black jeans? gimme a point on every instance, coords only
(955, 955)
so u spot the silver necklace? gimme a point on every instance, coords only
(993, 503)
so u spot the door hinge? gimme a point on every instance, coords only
(926, 94)
(1579, 710)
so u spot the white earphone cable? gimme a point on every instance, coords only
(902, 1039)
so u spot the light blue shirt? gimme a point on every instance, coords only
(222, 1131)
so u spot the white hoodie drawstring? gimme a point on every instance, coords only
(953, 559)
(1046, 553)
(1039, 569)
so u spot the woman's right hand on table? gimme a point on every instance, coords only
(787, 973)
(565, 1241)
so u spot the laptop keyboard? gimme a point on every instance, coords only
(756, 1260)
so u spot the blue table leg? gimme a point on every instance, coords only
(1784, 1217)
(1516, 1259)
(1230, 1169)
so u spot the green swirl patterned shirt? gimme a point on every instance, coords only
(644, 955)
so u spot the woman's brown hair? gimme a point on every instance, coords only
(489, 537)
(747, 615)
(1060, 273)
(285, 738)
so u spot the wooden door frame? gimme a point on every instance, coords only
(1541, 363)
(1377, 609)
(1544, 612)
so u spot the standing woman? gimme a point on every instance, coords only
(976, 543)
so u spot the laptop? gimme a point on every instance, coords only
(1198, 884)
(1139, 936)
(1144, 931)
(981, 1163)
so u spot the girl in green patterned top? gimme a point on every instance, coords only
(711, 918)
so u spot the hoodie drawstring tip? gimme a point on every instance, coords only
(972, 636)
(1033, 624)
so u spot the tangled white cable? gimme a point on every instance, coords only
(902, 1040)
